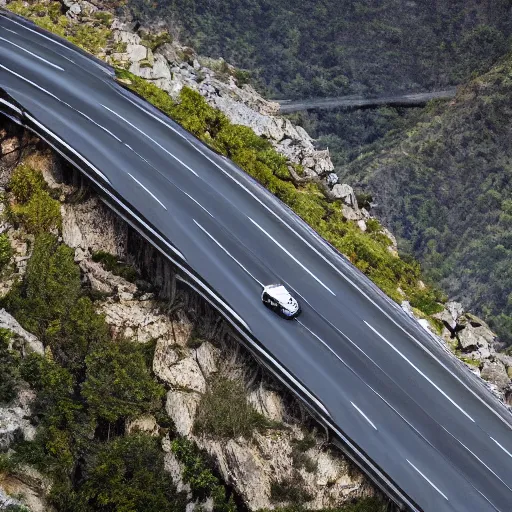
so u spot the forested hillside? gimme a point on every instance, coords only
(335, 47)
(444, 186)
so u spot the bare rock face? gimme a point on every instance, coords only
(185, 375)
(268, 403)
(22, 340)
(146, 424)
(181, 406)
(91, 226)
(495, 373)
(136, 319)
(103, 281)
(207, 356)
(346, 193)
(30, 486)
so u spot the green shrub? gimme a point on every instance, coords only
(128, 475)
(197, 473)
(289, 490)
(118, 382)
(224, 411)
(9, 368)
(112, 264)
(34, 208)
(6, 251)
(49, 303)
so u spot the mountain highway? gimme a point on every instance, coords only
(417, 99)
(408, 413)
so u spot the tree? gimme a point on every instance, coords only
(118, 383)
(127, 475)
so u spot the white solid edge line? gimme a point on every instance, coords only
(14, 107)
(502, 447)
(266, 354)
(97, 64)
(61, 101)
(428, 480)
(36, 32)
(99, 185)
(363, 415)
(152, 140)
(69, 148)
(347, 279)
(29, 81)
(33, 54)
(337, 270)
(148, 191)
(227, 252)
(333, 427)
(428, 379)
(180, 266)
(291, 256)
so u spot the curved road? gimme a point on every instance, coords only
(419, 424)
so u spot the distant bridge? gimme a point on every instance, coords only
(353, 102)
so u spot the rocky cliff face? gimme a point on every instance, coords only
(194, 348)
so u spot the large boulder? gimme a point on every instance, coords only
(15, 422)
(495, 373)
(185, 375)
(346, 194)
(181, 406)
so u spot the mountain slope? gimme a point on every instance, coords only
(333, 47)
(444, 186)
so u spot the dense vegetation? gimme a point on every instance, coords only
(444, 186)
(87, 384)
(335, 47)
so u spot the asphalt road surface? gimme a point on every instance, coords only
(421, 425)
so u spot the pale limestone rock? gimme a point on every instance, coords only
(74, 10)
(146, 424)
(181, 406)
(22, 340)
(361, 225)
(207, 356)
(91, 226)
(159, 71)
(125, 36)
(165, 356)
(495, 373)
(345, 193)
(31, 487)
(186, 375)
(104, 281)
(137, 320)
(175, 468)
(268, 403)
(136, 52)
(169, 52)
